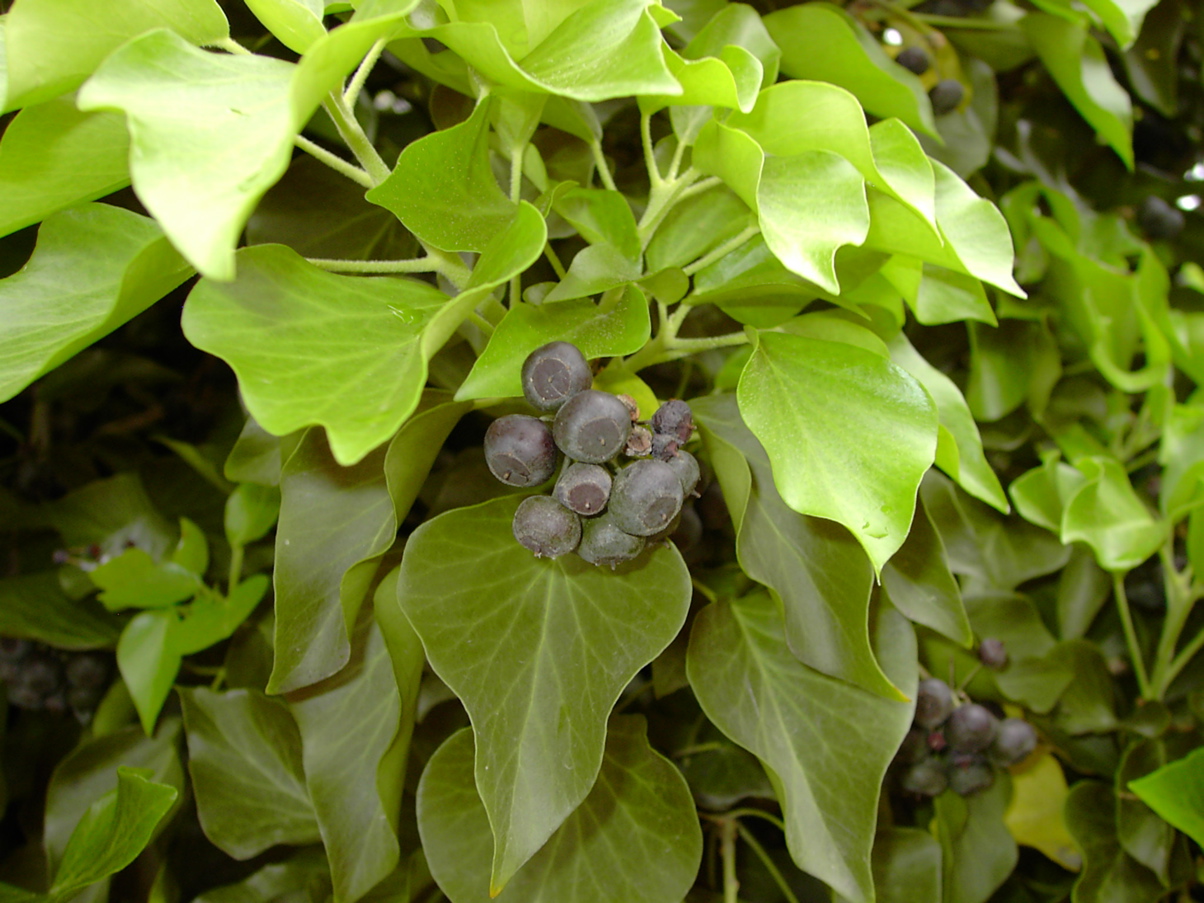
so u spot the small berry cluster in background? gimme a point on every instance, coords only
(603, 510)
(37, 677)
(957, 746)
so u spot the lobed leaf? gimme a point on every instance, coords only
(1176, 792)
(554, 642)
(634, 837)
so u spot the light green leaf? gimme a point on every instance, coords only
(753, 688)
(635, 837)
(112, 832)
(1176, 792)
(821, 42)
(53, 156)
(733, 156)
(325, 564)
(199, 176)
(731, 81)
(697, 225)
(244, 755)
(903, 168)
(94, 268)
(737, 25)
(1181, 454)
(595, 269)
(443, 189)
(1077, 63)
(814, 566)
(1017, 361)
(946, 296)
(601, 216)
(1122, 18)
(849, 434)
(617, 325)
(557, 641)
(347, 726)
(135, 580)
(962, 458)
(1106, 513)
(1041, 493)
(147, 663)
(346, 352)
(810, 205)
(977, 850)
(975, 230)
(53, 45)
(36, 607)
(297, 23)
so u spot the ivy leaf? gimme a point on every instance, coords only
(297, 23)
(617, 325)
(135, 580)
(443, 188)
(1077, 63)
(1139, 830)
(53, 45)
(1176, 792)
(200, 176)
(347, 725)
(36, 607)
(244, 756)
(907, 866)
(732, 155)
(635, 837)
(959, 446)
(417, 445)
(849, 434)
(753, 688)
(538, 715)
(1035, 816)
(251, 511)
(112, 833)
(1109, 873)
(816, 568)
(823, 43)
(302, 878)
(324, 565)
(977, 851)
(94, 268)
(810, 205)
(53, 156)
(345, 352)
(1106, 513)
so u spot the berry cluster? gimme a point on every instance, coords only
(604, 512)
(38, 677)
(957, 747)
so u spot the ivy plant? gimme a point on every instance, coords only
(274, 277)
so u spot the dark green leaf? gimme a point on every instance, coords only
(1140, 832)
(1176, 792)
(251, 511)
(634, 837)
(538, 715)
(244, 755)
(765, 699)
(36, 607)
(977, 852)
(1108, 872)
(907, 866)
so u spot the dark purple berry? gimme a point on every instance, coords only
(602, 542)
(519, 450)
(934, 702)
(592, 426)
(645, 497)
(674, 418)
(946, 95)
(685, 465)
(554, 373)
(970, 775)
(583, 488)
(925, 778)
(1014, 740)
(914, 747)
(546, 527)
(914, 59)
(87, 671)
(664, 446)
(991, 652)
(971, 728)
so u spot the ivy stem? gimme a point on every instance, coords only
(353, 134)
(236, 559)
(1126, 620)
(230, 45)
(516, 193)
(1179, 602)
(484, 325)
(758, 813)
(727, 841)
(747, 836)
(335, 162)
(654, 173)
(675, 163)
(550, 253)
(698, 749)
(1185, 655)
(698, 187)
(608, 181)
(417, 265)
(361, 74)
(723, 250)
